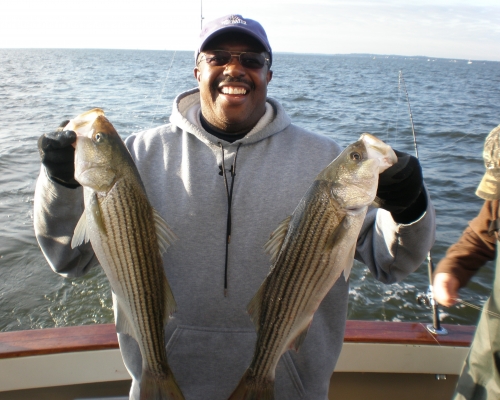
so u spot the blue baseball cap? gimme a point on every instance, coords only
(233, 23)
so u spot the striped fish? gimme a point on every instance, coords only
(309, 250)
(128, 238)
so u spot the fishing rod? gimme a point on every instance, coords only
(171, 63)
(401, 79)
(162, 88)
(201, 15)
(428, 298)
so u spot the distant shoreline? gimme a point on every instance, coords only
(360, 55)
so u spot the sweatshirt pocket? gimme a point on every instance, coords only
(288, 384)
(208, 363)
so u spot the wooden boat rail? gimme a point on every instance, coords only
(406, 333)
(103, 336)
(381, 360)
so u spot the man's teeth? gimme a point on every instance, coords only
(233, 90)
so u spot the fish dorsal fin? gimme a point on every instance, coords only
(338, 233)
(253, 307)
(80, 234)
(350, 258)
(164, 234)
(277, 238)
(170, 305)
(300, 338)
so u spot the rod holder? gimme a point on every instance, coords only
(435, 328)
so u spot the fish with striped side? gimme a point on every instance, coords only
(128, 237)
(309, 251)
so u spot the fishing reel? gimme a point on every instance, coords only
(425, 299)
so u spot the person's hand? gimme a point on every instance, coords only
(58, 155)
(399, 188)
(445, 288)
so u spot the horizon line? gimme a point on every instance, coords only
(274, 52)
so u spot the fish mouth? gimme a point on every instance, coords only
(82, 124)
(377, 149)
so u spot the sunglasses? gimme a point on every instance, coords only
(248, 59)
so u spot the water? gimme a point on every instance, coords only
(454, 105)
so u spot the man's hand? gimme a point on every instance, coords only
(58, 155)
(399, 188)
(445, 288)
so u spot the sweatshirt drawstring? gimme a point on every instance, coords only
(229, 194)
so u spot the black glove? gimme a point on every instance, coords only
(58, 155)
(400, 189)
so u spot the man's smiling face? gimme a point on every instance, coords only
(233, 97)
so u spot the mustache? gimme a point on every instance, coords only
(230, 79)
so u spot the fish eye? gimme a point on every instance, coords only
(355, 156)
(98, 137)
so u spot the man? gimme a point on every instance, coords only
(224, 173)
(480, 377)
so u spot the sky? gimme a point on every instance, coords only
(458, 29)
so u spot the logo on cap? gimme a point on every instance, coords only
(234, 19)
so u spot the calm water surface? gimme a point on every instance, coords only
(454, 105)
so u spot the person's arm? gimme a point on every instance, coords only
(463, 259)
(396, 238)
(392, 250)
(58, 205)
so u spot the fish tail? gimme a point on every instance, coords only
(159, 386)
(250, 389)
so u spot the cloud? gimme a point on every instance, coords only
(441, 28)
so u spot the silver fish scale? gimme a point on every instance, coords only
(300, 269)
(133, 253)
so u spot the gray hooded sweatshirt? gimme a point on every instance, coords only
(210, 339)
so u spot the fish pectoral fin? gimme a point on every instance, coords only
(80, 235)
(273, 245)
(170, 304)
(338, 233)
(300, 338)
(123, 323)
(350, 261)
(95, 213)
(253, 307)
(164, 234)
